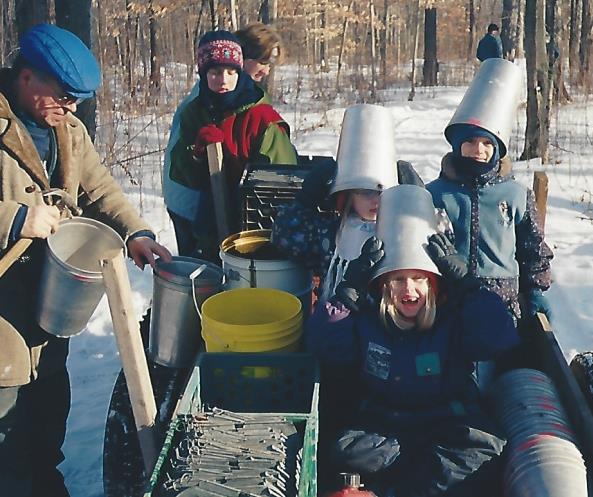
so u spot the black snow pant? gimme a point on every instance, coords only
(32, 430)
(452, 457)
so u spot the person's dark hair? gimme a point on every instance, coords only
(492, 27)
(19, 63)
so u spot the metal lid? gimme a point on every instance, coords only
(180, 268)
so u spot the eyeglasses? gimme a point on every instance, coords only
(59, 95)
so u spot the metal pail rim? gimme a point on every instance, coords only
(84, 273)
(179, 269)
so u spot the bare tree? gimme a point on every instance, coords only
(508, 31)
(412, 93)
(155, 49)
(586, 42)
(75, 16)
(30, 12)
(471, 20)
(573, 39)
(431, 65)
(538, 82)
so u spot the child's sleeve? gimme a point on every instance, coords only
(331, 335)
(488, 328)
(304, 235)
(532, 252)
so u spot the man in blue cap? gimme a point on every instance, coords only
(43, 145)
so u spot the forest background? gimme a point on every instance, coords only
(354, 50)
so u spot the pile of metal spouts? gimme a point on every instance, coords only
(227, 454)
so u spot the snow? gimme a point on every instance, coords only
(94, 362)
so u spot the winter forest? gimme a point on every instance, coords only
(415, 57)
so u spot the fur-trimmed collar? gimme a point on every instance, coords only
(448, 169)
(16, 140)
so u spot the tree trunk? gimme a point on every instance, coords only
(586, 42)
(373, 51)
(213, 4)
(29, 13)
(233, 7)
(415, 52)
(538, 87)
(573, 40)
(471, 11)
(383, 43)
(342, 42)
(322, 40)
(520, 38)
(75, 16)
(431, 65)
(508, 31)
(155, 48)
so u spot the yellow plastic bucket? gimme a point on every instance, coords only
(252, 320)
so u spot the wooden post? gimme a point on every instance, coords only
(219, 190)
(540, 188)
(131, 351)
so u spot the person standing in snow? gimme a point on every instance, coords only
(366, 165)
(494, 218)
(401, 350)
(261, 47)
(490, 46)
(43, 145)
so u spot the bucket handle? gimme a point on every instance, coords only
(192, 278)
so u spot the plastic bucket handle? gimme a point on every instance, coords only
(192, 278)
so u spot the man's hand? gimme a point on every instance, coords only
(41, 221)
(143, 249)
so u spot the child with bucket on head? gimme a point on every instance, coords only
(494, 218)
(365, 167)
(232, 110)
(411, 422)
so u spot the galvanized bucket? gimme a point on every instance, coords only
(406, 219)
(366, 152)
(491, 101)
(174, 338)
(249, 260)
(71, 280)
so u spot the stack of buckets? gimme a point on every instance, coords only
(256, 309)
(262, 307)
(542, 458)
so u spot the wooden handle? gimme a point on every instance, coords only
(131, 351)
(13, 254)
(219, 190)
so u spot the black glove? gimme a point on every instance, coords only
(407, 175)
(352, 291)
(444, 254)
(317, 183)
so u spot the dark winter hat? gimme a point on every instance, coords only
(465, 132)
(219, 48)
(64, 56)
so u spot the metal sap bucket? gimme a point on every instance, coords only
(249, 260)
(71, 280)
(406, 219)
(366, 152)
(491, 101)
(174, 337)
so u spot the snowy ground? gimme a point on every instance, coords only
(94, 361)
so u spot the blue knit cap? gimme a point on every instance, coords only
(465, 132)
(64, 56)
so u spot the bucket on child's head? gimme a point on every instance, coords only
(252, 320)
(174, 338)
(71, 284)
(250, 260)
